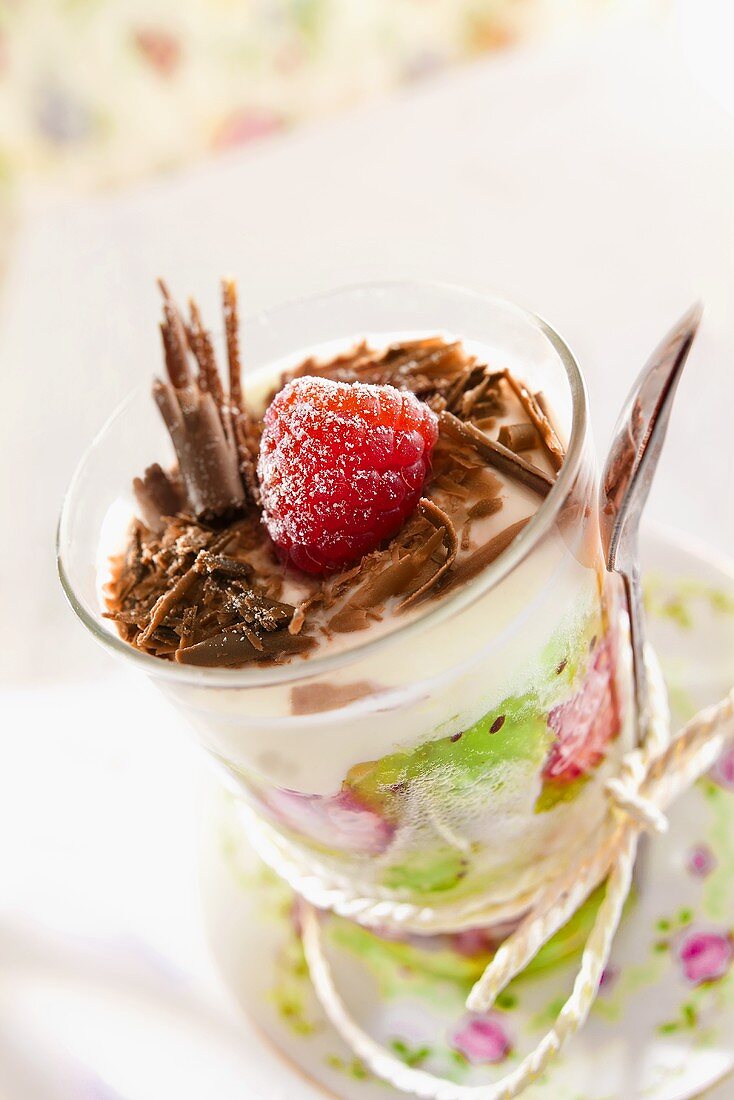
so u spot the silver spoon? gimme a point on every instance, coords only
(627, 476)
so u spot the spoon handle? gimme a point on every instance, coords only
(627, 477)
(638, 638)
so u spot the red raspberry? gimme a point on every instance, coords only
(341, 468)
(586, 723)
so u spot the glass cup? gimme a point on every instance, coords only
(459, 756)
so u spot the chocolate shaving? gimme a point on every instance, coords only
(201, 344)
(484, 399)
(220, 563)
(540, 420)
(438, 518)
(299, 617)
(350, 619)
(430, 368)
(174, 342)
(165, 604)
(487, 506)
(452, 487)
(458, 388)
(231, 326)
(398, 576)
(238, 418)
(233, 647)
(532, 477)
(171, 596)
(518, 437)
(486, 424)
(246, 455)
(158, 496)
(188, 627)
(485, 555)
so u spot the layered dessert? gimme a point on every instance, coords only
(414, 689)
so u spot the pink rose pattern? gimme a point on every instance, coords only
(723, 770)
(338, 821)
(481, 941)
(704, 956)
(586, 722)
(701, 861)
(481, 1039)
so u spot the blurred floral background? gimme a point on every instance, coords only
(94, 93)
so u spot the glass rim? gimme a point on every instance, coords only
(255, 676)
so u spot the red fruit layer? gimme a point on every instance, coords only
(587, 722)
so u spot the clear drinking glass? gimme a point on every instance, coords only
(462, 753)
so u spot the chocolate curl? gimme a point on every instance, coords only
(200, 343)
(207, 454)
(398, 576)
(518, 437)
(484, 393)
(241, 427)
(158, 497)
(174, 342)
(539, 418)
(231, 327)
(239, 417)
(485, 555)
(486, 506)
(165, 604)
(206, 458)
(504, 460)
(442, 522)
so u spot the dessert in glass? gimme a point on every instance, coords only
(368, 573)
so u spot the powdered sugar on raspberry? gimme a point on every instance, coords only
(341, 467)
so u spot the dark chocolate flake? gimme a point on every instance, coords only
(233, 647)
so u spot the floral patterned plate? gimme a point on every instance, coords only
(663, 1025)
